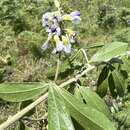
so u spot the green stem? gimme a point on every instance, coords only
(85, 55)
(57, 68)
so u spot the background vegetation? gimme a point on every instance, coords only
(22, 35)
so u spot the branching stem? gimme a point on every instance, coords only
(21, 113)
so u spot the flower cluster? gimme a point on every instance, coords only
(62, 38)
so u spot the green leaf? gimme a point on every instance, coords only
(123, 117)
(86, 116)
(112, 86)
(95, 45)
(93, 100)
(58, 116)
(17, 92)
(109, 51)
(102, 84)
(126, 65)
(77, 94)
(102, 89)
(77, 125)
(103, 75)
(119, 82)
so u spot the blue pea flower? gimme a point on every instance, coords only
(51, 23)
(59, 46)
(45, 19)
(75, 13)
(55, 30)
(75, 17)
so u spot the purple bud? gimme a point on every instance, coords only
(53, 29)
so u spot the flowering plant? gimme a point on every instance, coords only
(78, 102)
(60, 37)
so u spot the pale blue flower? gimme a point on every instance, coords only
(45, 19)
(45, 46)
(75, 13)
(67, 48)
(58, 31)
(75, 17)
(55, 30)
(59, 46)
(51, 23)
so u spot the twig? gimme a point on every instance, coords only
(85, 55)
(21, 113)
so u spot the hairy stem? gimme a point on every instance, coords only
(57, 69)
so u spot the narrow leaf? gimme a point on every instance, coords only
(85, 115)
(58, 116)
(93, 100)
(17, 92)
(102, 89)
(112, 86)
(103, 75)
(119, 82)
(77, 94)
